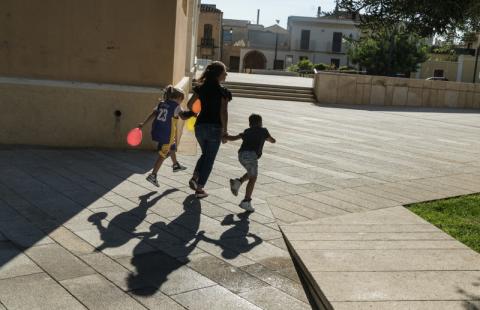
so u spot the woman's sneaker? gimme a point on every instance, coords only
(177, 167)
(193, 184)
(247, 205)
(152, 178)
(235, 186)
(199, 194)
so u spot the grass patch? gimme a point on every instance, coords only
(459, 217)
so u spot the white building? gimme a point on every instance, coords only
(321, 39)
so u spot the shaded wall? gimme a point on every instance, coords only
(107, 41)
(348, 89)
(83, 73)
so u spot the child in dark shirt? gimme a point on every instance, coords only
(250, 152)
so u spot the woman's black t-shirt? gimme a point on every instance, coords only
(211, 95)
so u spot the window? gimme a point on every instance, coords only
(207, 31)
(337, 42)
(438, 73)
(227, 36)
(305, 40)
(234, 63)
(335, 62)
(278, 64)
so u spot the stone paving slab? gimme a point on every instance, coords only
(58, 262)
(36, 291)
(14, 262)
(406, 305)
(95, 292)
(213, 298)
(337, 176)
(396, 286)
(272, 298)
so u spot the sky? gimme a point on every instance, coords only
(270, 10)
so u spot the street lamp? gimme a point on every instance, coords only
(476, 65)
(276, 48)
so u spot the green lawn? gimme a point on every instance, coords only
(459, 217)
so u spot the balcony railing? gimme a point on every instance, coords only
(208, 42)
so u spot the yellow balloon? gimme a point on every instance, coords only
(191, 123)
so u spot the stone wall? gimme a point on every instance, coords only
(74, 114)
(101, 41)
(348, 89)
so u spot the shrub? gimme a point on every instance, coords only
(321, 67)
(346, 68)
(292, 68)
(305, 65)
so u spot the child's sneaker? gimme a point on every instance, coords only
(152, 178)
(247, 205)
(177, 167)
(235, 186)
(200, 194)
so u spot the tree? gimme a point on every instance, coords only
(388, 51)
(426, 17)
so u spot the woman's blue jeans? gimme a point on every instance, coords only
(209, 139)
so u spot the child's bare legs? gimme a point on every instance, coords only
(163, 153)
(246, 202)
(175, 164)
(250, 187)
(157, 165)
(173, 156)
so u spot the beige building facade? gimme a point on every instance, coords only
(235, 37)
(209, 39)
(461, 70)
(83, 73)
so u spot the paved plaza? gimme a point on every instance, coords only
(83, 229)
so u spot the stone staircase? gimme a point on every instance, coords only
(271, 92)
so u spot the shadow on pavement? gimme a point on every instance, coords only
(235, 238)
(151, 270)
(127, 221)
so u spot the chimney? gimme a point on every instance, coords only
(319, 11)
(258, 17)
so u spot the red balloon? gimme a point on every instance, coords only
(134, 137)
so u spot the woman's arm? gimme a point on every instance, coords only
(233, 138)
(191, 101)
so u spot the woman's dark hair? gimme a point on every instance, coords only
(255, 120)
(212, 72)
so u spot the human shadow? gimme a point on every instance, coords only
(122, 227)
(234, 241)
(152, 270)
(473, 302)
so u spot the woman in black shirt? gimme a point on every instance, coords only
(211, 125)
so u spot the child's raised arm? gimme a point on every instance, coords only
(271, 139)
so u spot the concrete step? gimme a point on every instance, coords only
(228, 84)
(273, 93)
(273, 97)
(270, 89)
